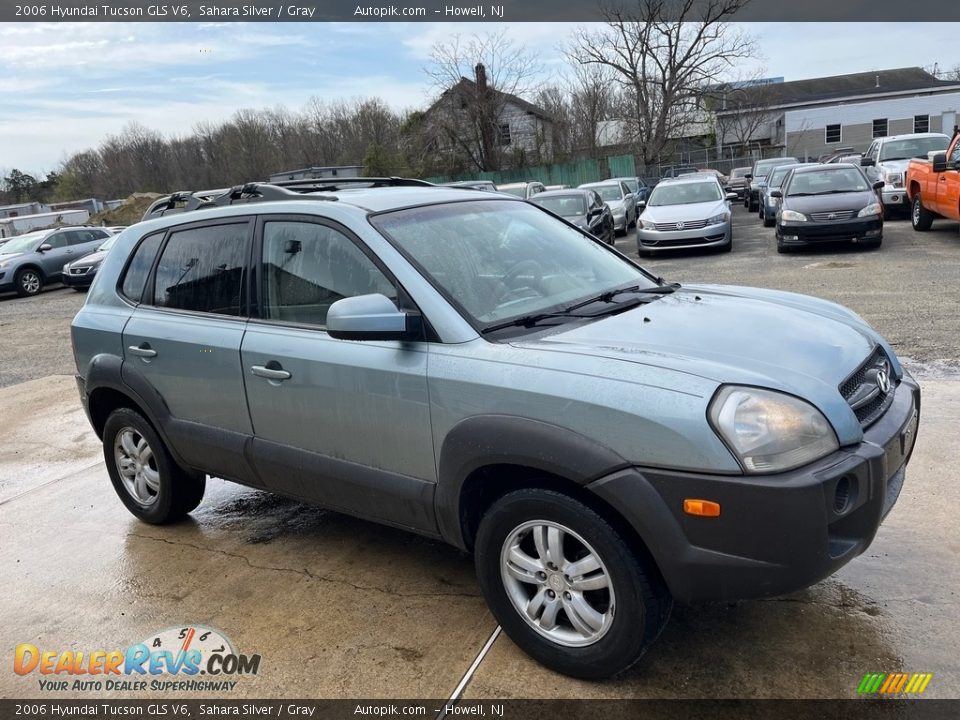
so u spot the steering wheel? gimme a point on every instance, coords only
(529, 267)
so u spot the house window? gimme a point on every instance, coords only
(880, 128)
(503, 134)
(833, 134)
(921, 123)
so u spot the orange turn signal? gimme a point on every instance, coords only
(702, 508)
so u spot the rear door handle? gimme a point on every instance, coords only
(143, 350)
(270, 373)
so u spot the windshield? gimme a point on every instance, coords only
(519, 191)
(608, 192)
(563, 205)
(684, 193)
(502, 260)
(739, 172)
(827, 181)
(912, 148)
(24, 243)
(763, 167)
(777, 176)
(632, 185)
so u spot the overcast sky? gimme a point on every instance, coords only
(65, 87)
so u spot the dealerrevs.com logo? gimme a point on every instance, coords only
(190, 659)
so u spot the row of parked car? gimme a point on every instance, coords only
(68, 255)
(844, 196)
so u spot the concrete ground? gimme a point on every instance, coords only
(339, 607)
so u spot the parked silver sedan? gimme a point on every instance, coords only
(688, 211)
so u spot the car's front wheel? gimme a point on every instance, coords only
(28, 282)
(144, 475)
(567, 586)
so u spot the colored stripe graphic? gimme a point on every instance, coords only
(894, 683)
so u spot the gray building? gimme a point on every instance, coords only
(486, 129)
(19, 209)
(810, 118)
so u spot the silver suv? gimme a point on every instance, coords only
(30, 261)
(473, 368)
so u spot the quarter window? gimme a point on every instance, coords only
(139, 268)
(202, 269)
(880, 128)
(921, 123)
(834, 134)
(307, 267)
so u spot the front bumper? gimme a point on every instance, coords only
(853, 230)
(84, 280)
(895, 198)
(776, 533)
(710, 236)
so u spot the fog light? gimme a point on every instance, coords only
(895, 198)
(788, 238)
(844, 495)
(872, 233)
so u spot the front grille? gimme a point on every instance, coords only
(863, 391)
(835, 215)
(682, 225)
(79, 270)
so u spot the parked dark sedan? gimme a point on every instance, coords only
(79, 274)
(828, 203)
(583, 207)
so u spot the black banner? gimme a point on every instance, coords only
(862, 709)
(860, 11)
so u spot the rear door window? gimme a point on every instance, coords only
(203, 269)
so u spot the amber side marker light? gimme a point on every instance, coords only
(701, 508)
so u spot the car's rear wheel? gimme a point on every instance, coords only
(28, 282)
(567, 586)
(920, 217)
(144, 475)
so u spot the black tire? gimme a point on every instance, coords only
(178, 492)
(28, 282)
(81, 289)
(920, 217)
(642, 601)
(781, 248)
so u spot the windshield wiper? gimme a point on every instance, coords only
(835, 192)
(569, 312)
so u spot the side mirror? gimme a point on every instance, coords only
(45, 247)
(371, 317)
(733, 195)
(776, 193)
(641, 203)
(878, 185)
(867, 162)
(748, 176)
(939, 162)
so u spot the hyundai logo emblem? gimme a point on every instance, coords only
(883, 380)
(680, 226)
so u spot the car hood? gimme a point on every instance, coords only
(615, 204)
(893, 165)
(691, 211)
(830, 203)
(735, 335)
(94, 258)
(9, 256)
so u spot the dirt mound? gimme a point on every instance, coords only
(127, 214)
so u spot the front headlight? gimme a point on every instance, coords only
(893, 178)
(792, 216)
(770, 431)
(869, 210)
(647, 225)
(717, 219)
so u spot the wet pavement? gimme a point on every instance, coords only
(339, 607)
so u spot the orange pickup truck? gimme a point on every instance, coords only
(933, 186)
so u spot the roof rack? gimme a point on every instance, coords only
(187, 200)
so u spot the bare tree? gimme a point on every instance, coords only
(663, 55)
(467, 112)
(742, 110)
(593, 99)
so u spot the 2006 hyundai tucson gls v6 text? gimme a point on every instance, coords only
(475, 369)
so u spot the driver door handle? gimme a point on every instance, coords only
(270, 373)
(144, 350)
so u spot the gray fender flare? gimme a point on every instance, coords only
(485, 440)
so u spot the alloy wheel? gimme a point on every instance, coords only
(557, 583)
(137, 466)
